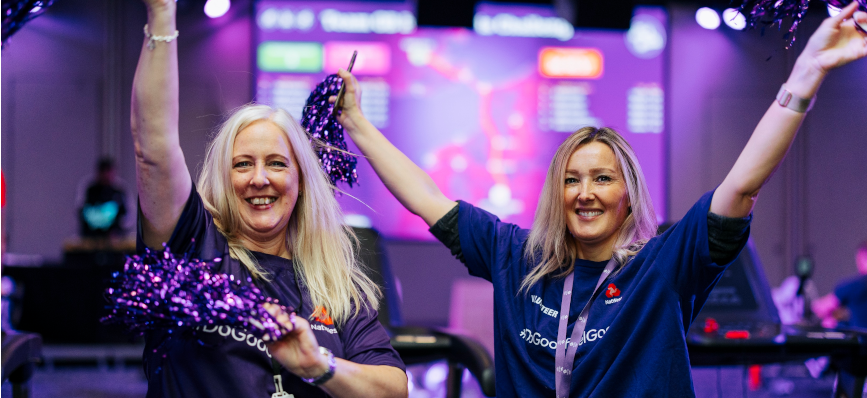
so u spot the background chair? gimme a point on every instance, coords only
(420, 345)
(20, 352)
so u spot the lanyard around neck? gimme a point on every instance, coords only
(565, 356)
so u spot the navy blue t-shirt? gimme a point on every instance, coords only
(634, 343)
(852, 294)
(223, 361)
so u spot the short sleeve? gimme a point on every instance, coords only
(487, 242)
(847, 290)
(366, 342)
(683, 253)
(191, 226)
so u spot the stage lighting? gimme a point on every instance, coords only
(707, 18)
(833, 11)
(734, 19)
(217, 8)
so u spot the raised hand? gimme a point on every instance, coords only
(838, 41)
(298, 351)
(350, 116)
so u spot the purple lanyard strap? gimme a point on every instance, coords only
(565, 357)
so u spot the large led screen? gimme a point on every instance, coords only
(481, 110)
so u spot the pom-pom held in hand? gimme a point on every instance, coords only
(319, 120)
(158, 291)
(772, 12)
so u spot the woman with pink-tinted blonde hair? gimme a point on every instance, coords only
(589, 302)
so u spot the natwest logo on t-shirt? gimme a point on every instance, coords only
(612, 292)
(323, 318)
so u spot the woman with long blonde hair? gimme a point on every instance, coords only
(265, 212)
(590, 302)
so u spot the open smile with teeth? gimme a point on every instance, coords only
(589, 213)
(262, 201)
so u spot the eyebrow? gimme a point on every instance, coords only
(269, 156)
(592, 171)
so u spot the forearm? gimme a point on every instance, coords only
(356, 380)
(411, 185)
(766, 148)
(162, 176)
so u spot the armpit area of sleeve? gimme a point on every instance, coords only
(446, 231)
(190, 225)
(475, 240)
(726, 236)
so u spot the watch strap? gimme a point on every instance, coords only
(332, 366)
(788, 100)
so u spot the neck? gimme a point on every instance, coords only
(602, 251)
(595, 254)
(273, 245)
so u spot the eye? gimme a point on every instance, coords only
(277, 163)
(603, 178)
(571, 180)
(243, 163)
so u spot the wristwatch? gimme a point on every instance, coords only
(332, 365)
(788, 100)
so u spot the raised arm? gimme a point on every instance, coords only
(414, 188)
(163, 179)
(836, 43)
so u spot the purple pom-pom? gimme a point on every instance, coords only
(772, 12)
(322, 125)
(158, 291)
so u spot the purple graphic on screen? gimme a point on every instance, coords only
(481, 111)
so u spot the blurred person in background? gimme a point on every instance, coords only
(847, 305)
(102, 204)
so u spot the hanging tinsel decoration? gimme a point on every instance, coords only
(327, 134)
(773, 12)
(18, 13)
(158, 291)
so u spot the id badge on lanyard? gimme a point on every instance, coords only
(565, 356)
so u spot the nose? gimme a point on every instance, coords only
(260, 177)
(587, 191)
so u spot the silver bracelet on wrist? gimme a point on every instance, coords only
(332, 366)
(788, 100)
(154, 38)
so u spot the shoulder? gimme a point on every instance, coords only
(474, 217)
(851, 284)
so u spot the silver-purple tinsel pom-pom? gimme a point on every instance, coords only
(319, 120)
(772, 12)
(158, 291)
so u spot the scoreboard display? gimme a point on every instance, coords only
(481, 110)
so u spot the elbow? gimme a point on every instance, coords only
(397, 384)
(401, 388)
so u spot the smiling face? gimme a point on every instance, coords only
(595, 196)
(265, 177)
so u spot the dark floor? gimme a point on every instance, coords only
(120, 376)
